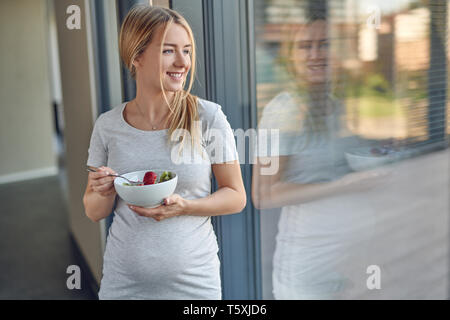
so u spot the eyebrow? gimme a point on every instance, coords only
(174, 45)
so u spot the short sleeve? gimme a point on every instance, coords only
(219, 140)
(97, 152)
(279, 128)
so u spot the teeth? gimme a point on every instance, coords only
(176, 75)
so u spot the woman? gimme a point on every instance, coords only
(168, 252)
(323, 224)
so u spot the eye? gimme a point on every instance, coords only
(187, 51)
(324, 45)
(167, 51)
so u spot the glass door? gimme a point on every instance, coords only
(358, 208)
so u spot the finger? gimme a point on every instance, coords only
(108, 170)
(139, 210)
(104, 171)
(98, 175)
(103, 181)
(146, 212)
(170, 200)
(106, 180)
(102, 188)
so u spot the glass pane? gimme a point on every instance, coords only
(352, 175)
(160, 3)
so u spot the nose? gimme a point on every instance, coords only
(182, 60)
(314, 52)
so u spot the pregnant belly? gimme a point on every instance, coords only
(159, 259)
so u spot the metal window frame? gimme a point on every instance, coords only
(229, 80)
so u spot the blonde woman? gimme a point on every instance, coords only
(167, 252)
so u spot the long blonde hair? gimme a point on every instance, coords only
(137, 31)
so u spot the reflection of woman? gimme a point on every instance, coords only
(174, 254)
(322, 223)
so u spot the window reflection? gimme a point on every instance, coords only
(160, 3)
(357, 92)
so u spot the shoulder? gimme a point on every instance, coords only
(210, 113)
(281, 98)
(282, 112)
(111, 116)
(207, 110)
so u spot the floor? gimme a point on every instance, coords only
(35, 243)
(405, 222)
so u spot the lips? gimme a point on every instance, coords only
(176, 75)
(317, 67)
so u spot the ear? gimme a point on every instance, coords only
(137, 61)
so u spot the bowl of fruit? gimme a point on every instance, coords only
(155, 186)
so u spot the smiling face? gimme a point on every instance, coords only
(311, 52)
(165, 60)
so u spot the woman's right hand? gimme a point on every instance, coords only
(101, 183)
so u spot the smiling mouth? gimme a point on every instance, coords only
(317, 67)
(176, 75)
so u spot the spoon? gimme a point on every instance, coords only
(95, 169)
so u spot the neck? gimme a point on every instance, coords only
(319, 98)
(152, 103)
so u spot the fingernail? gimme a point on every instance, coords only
(131, 207)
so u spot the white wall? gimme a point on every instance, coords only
(78, 92)
(26, 121)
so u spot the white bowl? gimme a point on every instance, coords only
(359, 161)
(148, 196)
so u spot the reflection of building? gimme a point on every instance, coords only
(412, 39)
(401, 41)
(368, 44)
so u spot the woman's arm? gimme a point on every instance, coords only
(229, 198)
(269, 191)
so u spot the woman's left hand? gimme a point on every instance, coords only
(173, 206)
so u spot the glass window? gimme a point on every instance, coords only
(160, 3)
(352, 173)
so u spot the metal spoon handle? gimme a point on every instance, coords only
(94, 169)
(90, 169)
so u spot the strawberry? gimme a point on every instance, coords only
(150, 178)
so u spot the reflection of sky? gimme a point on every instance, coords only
(288, 11)
(386, 6)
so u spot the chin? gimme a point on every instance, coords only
(172, 89)
(317, 79)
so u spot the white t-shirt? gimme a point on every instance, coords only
(315, 239)
(174, 258)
